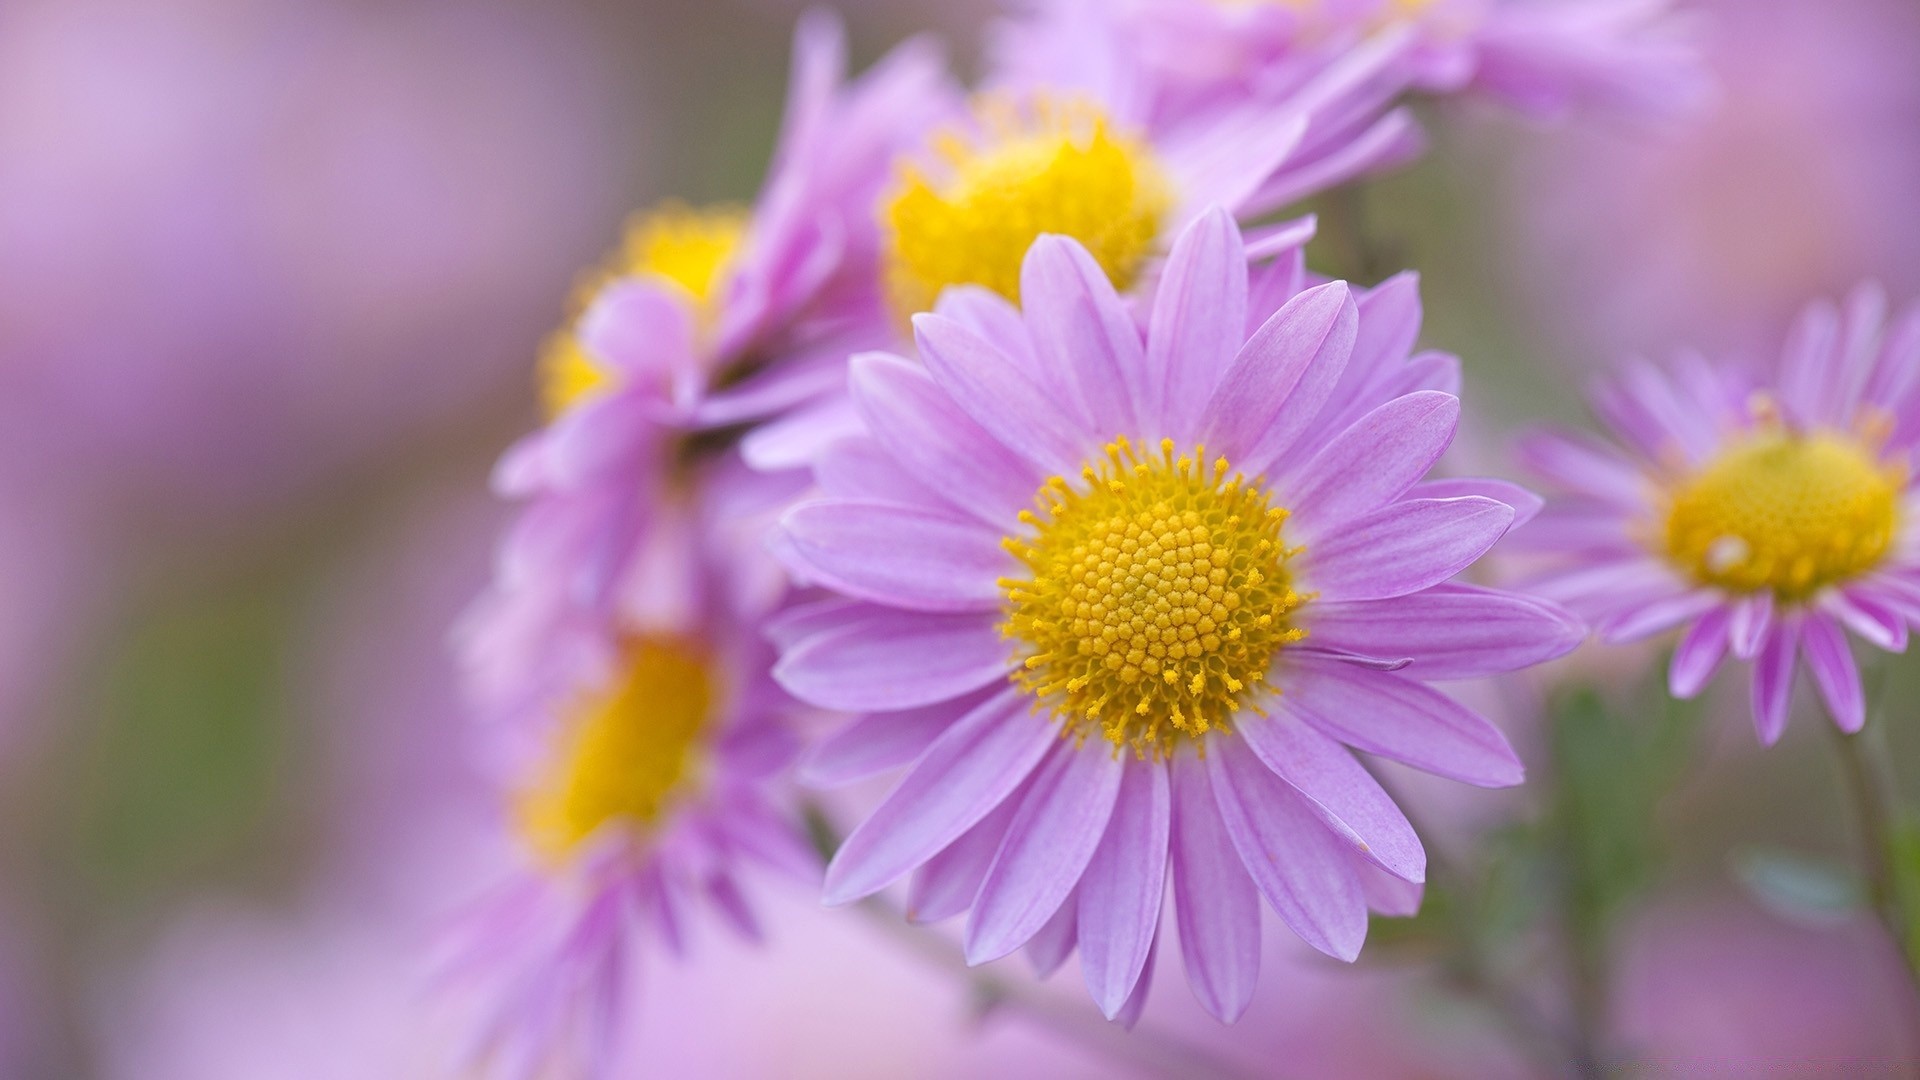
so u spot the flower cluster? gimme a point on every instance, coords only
(1006, 446)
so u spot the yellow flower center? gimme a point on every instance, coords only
(1786, 512)
(1049, 168)
(630, 752)
(1158, 596)
(687, 248)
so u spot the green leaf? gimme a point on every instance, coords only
(1797, 887)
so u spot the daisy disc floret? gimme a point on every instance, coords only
(1768, 514)
(1121, 599)
(1157, 599)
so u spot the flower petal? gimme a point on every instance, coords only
(935, 441)
(1449, 631)
(948, 883)
(1339, 790)
(876, 743)
(1699, 653)
(1198, 312)
(1047, 847)
(1293, 860)
(1400, 719)
(1215, 904)
(1824, 646)
(1403, 548)
(1053, 943)
(1001, 397)
(896, 555)
(1372, 463)
(885, 659)
(1773, 680)
(979, 761)
(1311, 335)
(1125, 885)
(1080, 326)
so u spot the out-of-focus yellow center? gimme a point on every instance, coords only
(1051, 167)
(691, 249)
(1157, 599)
(630, 753)
(1785, 512)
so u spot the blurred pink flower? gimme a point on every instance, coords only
(1798, 183)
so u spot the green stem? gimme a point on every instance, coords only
(1882, 823)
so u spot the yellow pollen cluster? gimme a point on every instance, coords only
(1158, 597)
(1785, 512)
(690, 249)
(1051, 167)
(630, 753)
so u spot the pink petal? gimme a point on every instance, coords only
(896, 555)
(875, 744)
(1136, 1004)
(935, 442)
(1584, 467)
(1403, 548)
(1080, 326)
(1339, 790)
(1293, 860)
(948, 883)
(978, 762)
(1449, 631)
(1215, 904)
(1400, 719)
(1125, 885)
(1001, 397)
(1372, 463)
(1198, 311)
(1047, 847)
(1658, 616)
(1526, 505)
(1824, 647)
(1053, 943)
(1773, 680)
(882, 659)
(1311, 335)
(1752, 619)
(1699, 653)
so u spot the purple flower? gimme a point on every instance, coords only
(1069, 138)
(642, 793)
(1766, 515)
(1543, 58)
(706, 320)
(1122, 600)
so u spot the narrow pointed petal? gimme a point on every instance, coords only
(1403, 720)
(1824, 646)
(1773, 680)
(1124, 886)
(1340, 791)
(1079, 325)
(1198, 313)
(1054, 942)
(882, 659)
(1448, 631)
(1373, 462)
(1699, 653)
(1313, 333)
(1001, 397)
(980, 760)
(1215, 904)
(897, 555)
(1048, 846)
(1403, 548)
(948, 883)
(936, 442)
(1293, 859)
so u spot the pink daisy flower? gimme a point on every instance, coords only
(1768, 516)
(1123, 601)
(641, 796)
(1067, 138)
(705, 321)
